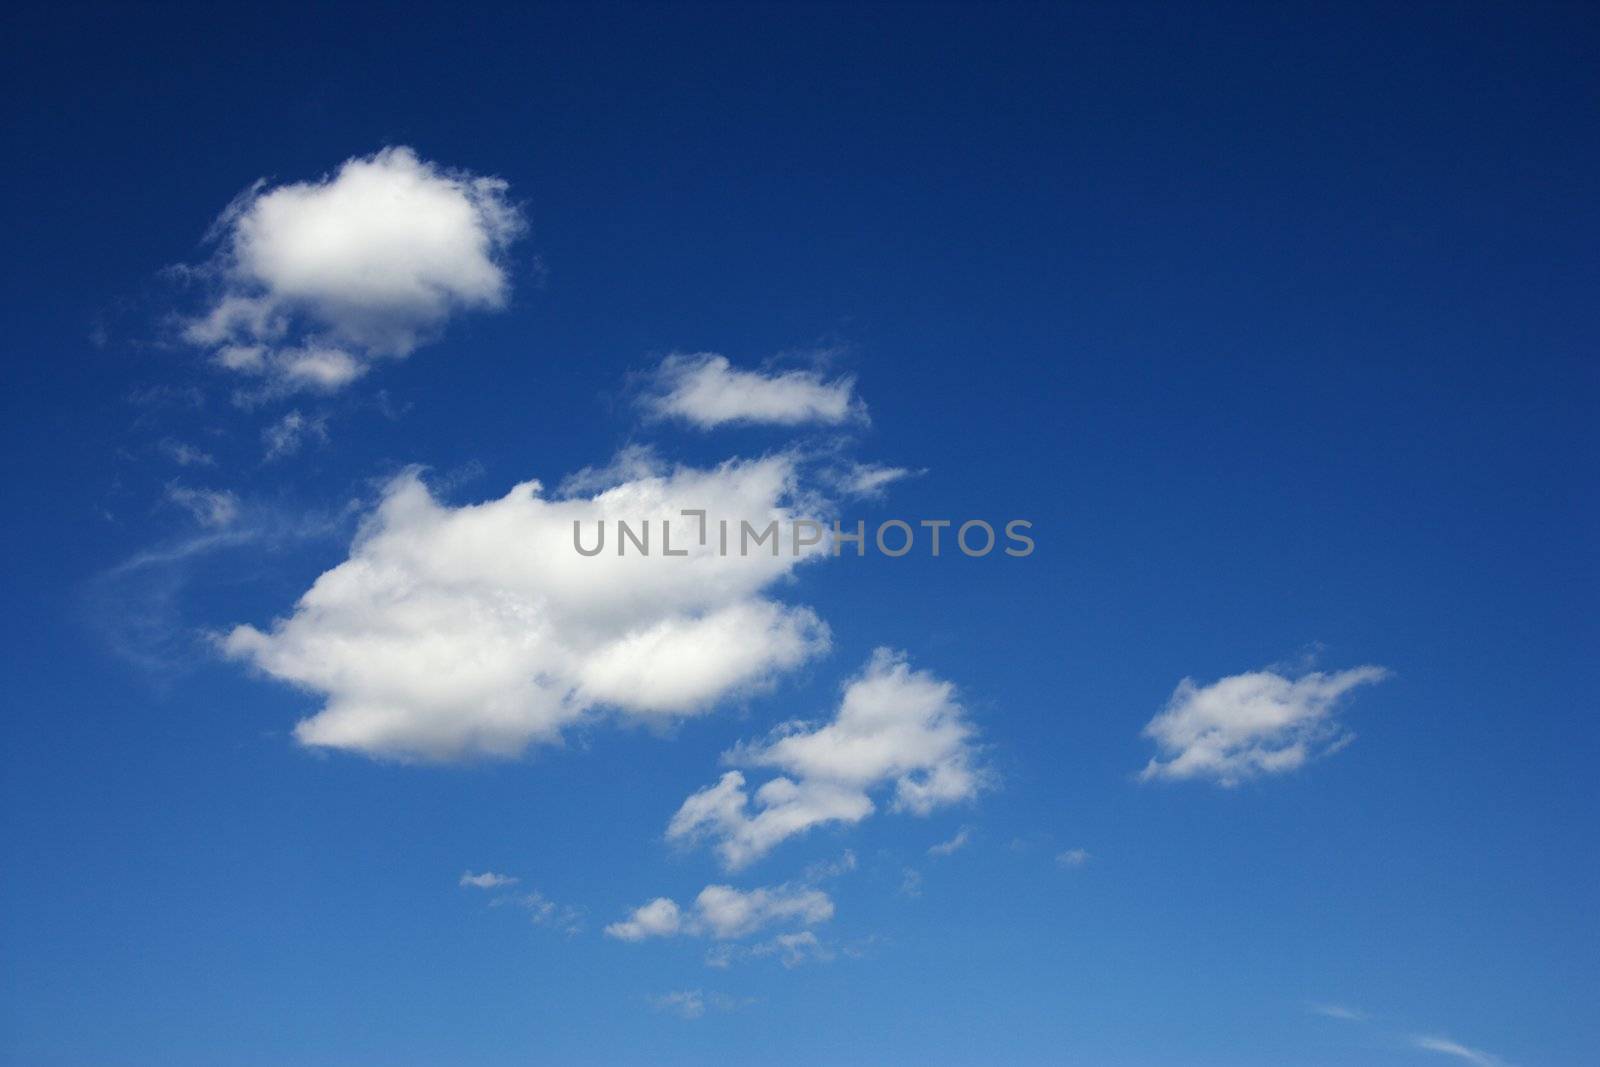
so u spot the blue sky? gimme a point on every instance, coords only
(1276, 322)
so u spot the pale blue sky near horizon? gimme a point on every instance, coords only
(1277, 322)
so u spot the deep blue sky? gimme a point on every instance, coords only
(1278, 322)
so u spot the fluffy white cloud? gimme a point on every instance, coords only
(453, 632)
(706, 390)
(893, 725)
(725, 913)
(1251, 724)
(487, 880)
(1072, 857)
(317, 279)
(659, 918)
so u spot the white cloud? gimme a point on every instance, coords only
(285, 436)
(894, 725)
(659, 918)
(1072, 857)
(318, 279)
(826, 869)
(868, 481)
(790, 949)
(689, 1003)
(545, 912)
(706, 390)
(186, 455)
(453, 632)
(692, 1003)
(955, 844)
(794, 949)
(487, 880)
(728, 913)
(1444, 1045)
(211, 508)
(1339, 1011)
(1251, 724)
(911, 883)
(725, 913)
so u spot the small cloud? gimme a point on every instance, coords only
(791, 949)
(1338, 1011)
(794, 949)
(868, 481)
(955, 844)
(707, 391)
(167, 396)
(894, 726)
(487, 880)
(823, 870)
(543, 911)
(693, 1003)
(211, 508)
(911, 883)
(687, 1003)
(1445, 1046)
(1072, 857)
(313, 282)
(186, 455)
(659, 918)
(1251, 724)
(725, 913)
(285, 436)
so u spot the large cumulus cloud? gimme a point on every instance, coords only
(453, 632)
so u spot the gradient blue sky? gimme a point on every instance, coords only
(1277, 321)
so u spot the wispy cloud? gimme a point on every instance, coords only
(955, 844)
(686, 1003)
(211, 508)
(794, 949)
(568, 918)
(1072, 857)
(1338, 1011)
(186, 455)
(285, 436)
(693, 1003)
(823, 870)
(139, 605)
(869, 481)
(487, 880)
(1444, 1046)
(1447, 1047)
